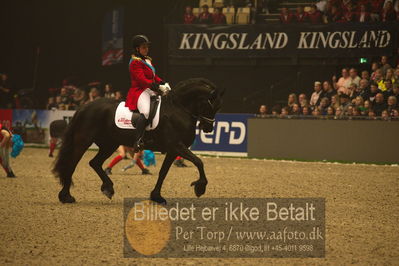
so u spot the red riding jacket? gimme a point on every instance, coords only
(141, 76)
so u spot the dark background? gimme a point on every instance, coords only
(64, 39)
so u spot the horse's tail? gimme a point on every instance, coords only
(62, 165)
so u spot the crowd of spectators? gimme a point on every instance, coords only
(205, 17)
(70, 97)
(330, 11)
(369, 94)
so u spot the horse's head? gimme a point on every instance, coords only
(203, 99)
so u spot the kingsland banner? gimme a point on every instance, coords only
(331, 40)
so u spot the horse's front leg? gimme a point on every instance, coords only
(200, 184)
(156, 192)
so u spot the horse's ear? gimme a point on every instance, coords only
(222, 92)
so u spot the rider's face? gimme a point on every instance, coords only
(143, 49)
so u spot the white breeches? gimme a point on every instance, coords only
(143, 103)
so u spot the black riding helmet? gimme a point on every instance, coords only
(139, 40)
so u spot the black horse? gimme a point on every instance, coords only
(190, 101)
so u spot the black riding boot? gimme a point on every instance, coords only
(141, 123)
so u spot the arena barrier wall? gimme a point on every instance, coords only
(229, 136)
(332, 140)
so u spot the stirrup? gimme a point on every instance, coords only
(139, 145)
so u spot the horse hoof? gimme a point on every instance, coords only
(66, 198)
(199, 187)
(107, 191)
(158, 199)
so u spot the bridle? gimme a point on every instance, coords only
(206, 119)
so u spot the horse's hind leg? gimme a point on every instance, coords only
(97, 162)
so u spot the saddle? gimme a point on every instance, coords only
(123, 115)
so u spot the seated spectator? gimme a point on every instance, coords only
(354, 77)
(338, 113)
(58, 101)
(374, 90)
(368, 105)
(396, 73)
(118, 96)
(285, 16)
(291, 100)
(345, 103)
(189, 17)
(385, 115)
(328, 90)
(349, 110)
(395, 113)
(65, 98)
(205, 17)
(296, 110)
(262, 111)
(276, 110)
(324, 103)
(335, 103)
(314, 15)
(384, 65)
(300, 16)
(284, 112)
(305, 110)
(392, 104)
(363, 89)
(379, 80)
(330, 111)
(358, 102)
(218, 17)
(365, 75)
(302, 100)
(349, 14)
(379, 104)
(316, 111)
(334, 15)
(51, 104)
(356, 91)
(388, 12)
(374, 67)
(343, 83)
(395, 91)
(93, 95)
(390, 75)
(315, 98)
(78, 98)
(376, 8)
(108, 91)
(363, 15)
(371, 114)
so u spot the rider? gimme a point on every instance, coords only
(144, 84)
(5, 146)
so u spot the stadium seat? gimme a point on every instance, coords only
(219, 3)
(243, 15)
(196, 11)
(229, 12)
(206, 2)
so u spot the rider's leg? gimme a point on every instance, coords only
(143, 105)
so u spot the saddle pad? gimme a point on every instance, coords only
(123, 116)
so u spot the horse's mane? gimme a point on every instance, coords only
(187, 85)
